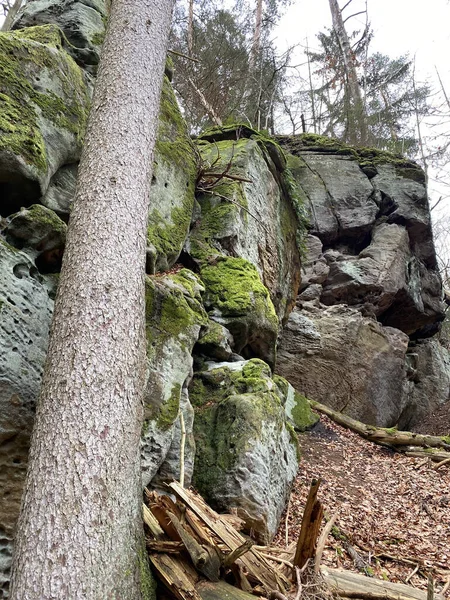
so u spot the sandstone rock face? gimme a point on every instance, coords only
(174, 316)
(25, 309)
(83, 24)
(254, 217)
(44, 110)
(428, 381)
(370, 285)
(352, 363)
(246, 455)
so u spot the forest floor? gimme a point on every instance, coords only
(393, 509)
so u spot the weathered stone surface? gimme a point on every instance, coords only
(349, 362)
(236, 298)
(61, 190)
(369, 209)
(82, 21)
(36, 228)
(25, 309)
(173, 186)
(215, 342)
(246, 455)
(256, 219)
(44, 104)
(428, 382)
(174, 315)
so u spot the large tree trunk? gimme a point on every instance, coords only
(357, 129)
(79, 533)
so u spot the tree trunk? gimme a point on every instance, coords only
(80, 534)
(256, 44)
(190, 28)
(358, 133)
(11, 15)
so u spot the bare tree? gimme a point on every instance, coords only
(357, 127)
(80, 531)
(10, 11)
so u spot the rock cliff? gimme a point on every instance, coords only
(301, 243)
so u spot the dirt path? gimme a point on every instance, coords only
(386, 503)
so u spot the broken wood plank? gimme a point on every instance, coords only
(258, 568)
(312, 518)
(221, 591)
(176, 575)
(353, 585)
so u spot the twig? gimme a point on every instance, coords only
(322, 541)
(277, 559)
(227, 176)
(286, 524)
(413, 572)
(183, 56)
(445, 588)
(430, 588)
(182, 447)
(298, 573)
(442, 463)
(232, 557)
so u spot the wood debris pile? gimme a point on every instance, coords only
(198, 554)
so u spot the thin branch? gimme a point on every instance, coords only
(184, 56)
(361, 12)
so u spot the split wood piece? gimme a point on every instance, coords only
(177, 575)
(322, 541)
(383, 436)
(353, 585)
(258, 568)
(205, 558)
(152, 523)
(221, 590)
(166, 546)
(312, 518)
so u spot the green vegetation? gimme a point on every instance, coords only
(25, 55)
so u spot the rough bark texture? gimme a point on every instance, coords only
(79, 534)
(357, 131)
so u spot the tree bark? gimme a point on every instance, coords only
(80, 532)
(358, 133)
(190, 28)
(256, 44)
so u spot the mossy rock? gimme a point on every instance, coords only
(235, 297)
(44, 105)
(36, 227)
(174, 318)
(243, 442)
(173, 186)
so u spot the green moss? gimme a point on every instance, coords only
(301, 413)
(446, 439)
(169, 410)
(170, 311)
(98, 38)
(32, 51)
(234, 287)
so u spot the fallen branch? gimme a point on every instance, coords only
(312, 518)
(322, 541)
(385, 436)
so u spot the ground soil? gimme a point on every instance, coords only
(394, 510)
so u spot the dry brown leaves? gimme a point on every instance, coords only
(387, 504)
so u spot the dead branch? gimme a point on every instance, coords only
(322, 541)
(312, 518)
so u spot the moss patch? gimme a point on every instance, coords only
(234, 287)
(302, 415)
(24, 55)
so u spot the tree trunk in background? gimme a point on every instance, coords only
(357, 129)
(190, 28)
(80, 531)
(11, 15)
(256, 37)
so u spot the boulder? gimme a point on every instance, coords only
(174, 316)
(427, 387)
(83, 23)
(26, 309)
(61, 190)
(44, 105)
(350, 362)
(247, 454)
